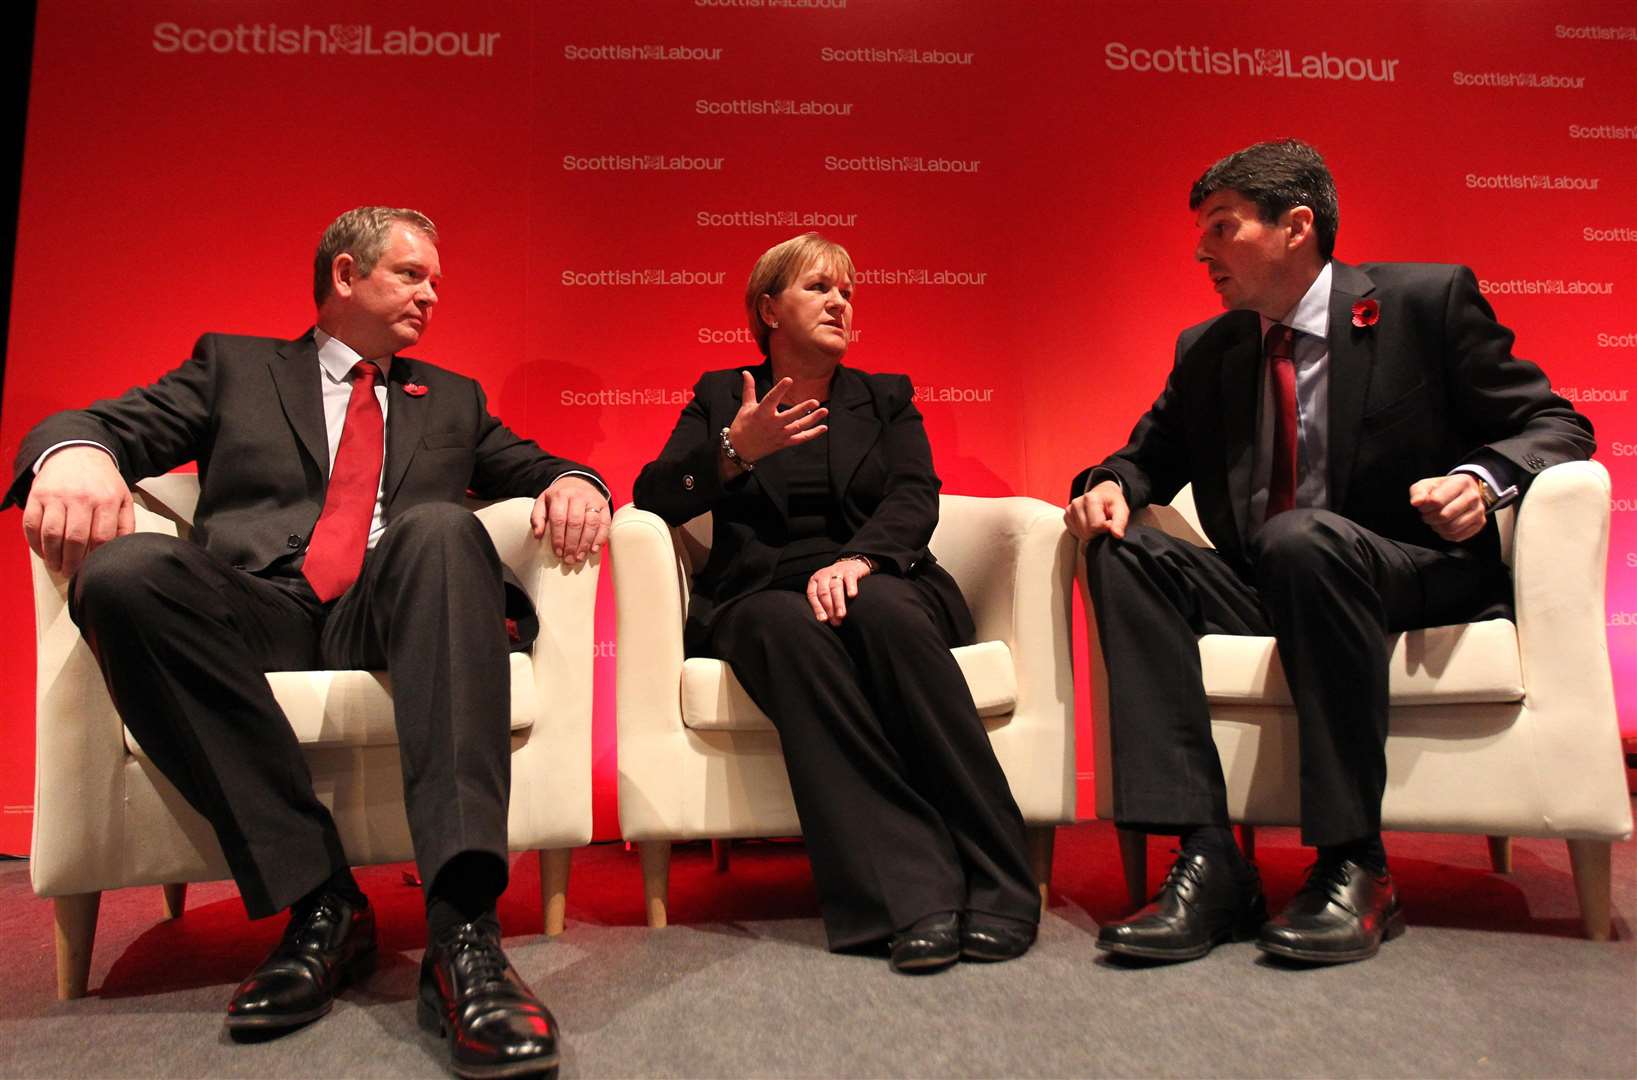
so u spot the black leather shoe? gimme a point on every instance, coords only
(931, 943)
(324, 947)
(1203, 903)
(471, 994)
(989, 938)
(1343, 912)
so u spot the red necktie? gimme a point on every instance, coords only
(1279, 346)
(336, 552)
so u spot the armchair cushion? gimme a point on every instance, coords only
(713, 700)
(1448, 665)
(354, 708)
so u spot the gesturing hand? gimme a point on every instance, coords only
(1452, 506)
(576, 511)
(1100, 510)
(761, 427)
(77, 503)
(829, 589)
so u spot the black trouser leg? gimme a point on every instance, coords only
(1333, 591)
(184, 641)
(881, 855)
(895, 635)
(429, 607)
(1154, 596)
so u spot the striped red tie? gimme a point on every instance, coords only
(336, 552)
(1280, 346)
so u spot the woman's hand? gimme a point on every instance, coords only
(829, 589)
(762, 428)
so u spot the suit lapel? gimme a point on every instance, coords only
(406, 418)
(854, 428)
(1241, 382)
(1352, 362)
(296, 377)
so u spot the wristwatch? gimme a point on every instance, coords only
(732, 454)
(1486, 493)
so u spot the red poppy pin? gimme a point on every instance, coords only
(1366, 313)
(417, 390)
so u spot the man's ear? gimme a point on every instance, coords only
(1299, 222)
(343, 273)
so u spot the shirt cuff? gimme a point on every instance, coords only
(1502, 498)
(72, 442)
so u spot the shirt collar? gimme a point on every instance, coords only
(337, 358)
(1311, 315)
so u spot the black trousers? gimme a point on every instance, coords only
(184, 641)
(1328, 591)
(903, 806)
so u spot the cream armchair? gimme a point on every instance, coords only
(105, 818)
(1504, 728)
(699, 760)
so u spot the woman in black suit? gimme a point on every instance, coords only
(821, 594)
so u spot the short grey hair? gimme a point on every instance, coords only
(362, 233)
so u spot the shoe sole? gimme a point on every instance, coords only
(1393, 927)
(929, 965)
(255, 1024)
(430, 1018)
(989, 958)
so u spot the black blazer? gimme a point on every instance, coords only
(1432, 384)
(880, 473)
(250, 412)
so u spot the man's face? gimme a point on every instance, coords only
(1252, 264)
(388, 308)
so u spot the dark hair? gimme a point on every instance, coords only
(1276, 176)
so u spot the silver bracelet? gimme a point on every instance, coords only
(733, 455)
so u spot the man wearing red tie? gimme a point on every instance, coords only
(1348, 432)
(330, 533)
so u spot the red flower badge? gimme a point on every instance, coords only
(1366, 313)
(417, 390)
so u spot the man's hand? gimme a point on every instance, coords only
(1101, 510)
(576, 512)
(78, 502)
(1452, 506)
(829, 589)
(762, 428)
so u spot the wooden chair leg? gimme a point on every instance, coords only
(721, 853)
(554, 887)
(1590, 860)
(1134, 859)
(76, 919)
(176, 898)
(1500, 854)
(656, 878)
(1042, 845)
(1247, 842)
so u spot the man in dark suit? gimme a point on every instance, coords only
(330, 533)
(1348, 432)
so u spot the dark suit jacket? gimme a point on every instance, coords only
(250, 412)
(880, 474)
(1431, 385)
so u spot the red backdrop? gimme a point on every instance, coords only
(1010, 178)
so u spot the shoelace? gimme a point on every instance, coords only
(1183, 869)
(480, 958)
(300, 923)
(1330, 878)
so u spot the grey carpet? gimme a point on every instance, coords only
(1491, 981)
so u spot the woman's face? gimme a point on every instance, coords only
(813, 314)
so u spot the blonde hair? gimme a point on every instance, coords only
(780, 265)
(362, 233)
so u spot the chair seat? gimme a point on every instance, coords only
(354, 708)
(713, 700)
(1469, 663)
